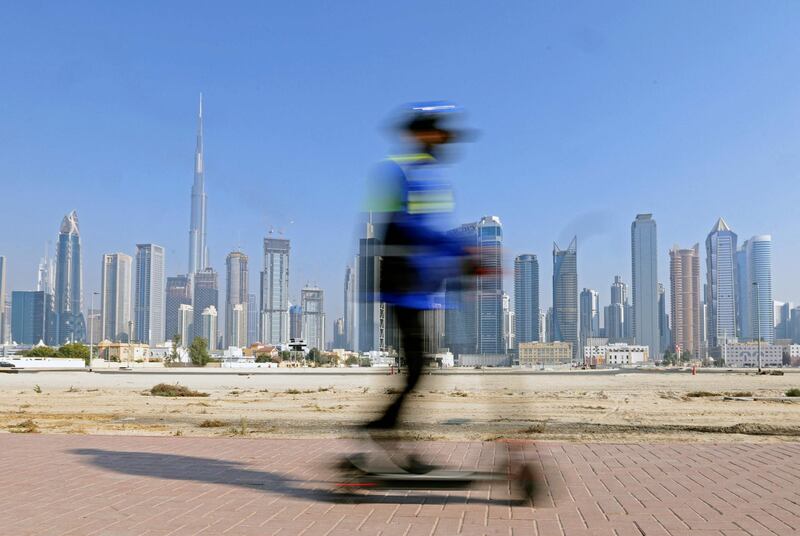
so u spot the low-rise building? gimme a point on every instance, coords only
(745, 354)
(484, 360)
(794, 355)
(122, 352)
(615, 354)
(545, 354)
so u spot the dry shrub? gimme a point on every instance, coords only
(166, 389)
(700, 394)
(212, 423)
(24, 427)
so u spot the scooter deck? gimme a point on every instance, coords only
(431, 480)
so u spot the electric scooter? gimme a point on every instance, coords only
(361, 472)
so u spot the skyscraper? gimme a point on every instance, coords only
(31, 312)
(295, 321)
(490, 287)
(644, 282)
(616, 313)
(663, 321)
(252, 319)
(185, 324)
(149, 298)
(371, 328)
(684, 266)
(3, 328)
(475, 305)
(526, 298)
(742, 294)
(46, 273)
(238, 325)
(589, 315)
(115, 297)
(275, 291)
(349, 317)
(565, 295)
(509, 324)
(312, 303)
(205, 294)
(783, 316)
(236, 293)
(70, 325)
(338, 333)
(179, 292)
(721, 284)
(208, 327)
(760, 315)
(198, 251)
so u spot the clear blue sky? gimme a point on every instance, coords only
(589, 113)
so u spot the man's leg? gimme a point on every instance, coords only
(410, 323)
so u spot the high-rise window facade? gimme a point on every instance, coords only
(313, 329)
(205, 294)
(526, 298)
(644, 282)
(178, 292)
(236, 293)
(275, 291)
(70, 326)
(565, 295)
(149, 303)
(721, 284)
(115, 297)
(686, 314)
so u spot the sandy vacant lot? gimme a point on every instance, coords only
(576, 406)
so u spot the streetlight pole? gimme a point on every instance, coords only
(758, 321)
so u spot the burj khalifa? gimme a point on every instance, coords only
(198, 251)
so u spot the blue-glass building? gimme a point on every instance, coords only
(70, 325)
(565, 295)
(721, 284)
(526, 298)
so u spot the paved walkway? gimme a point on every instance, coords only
(158, 486)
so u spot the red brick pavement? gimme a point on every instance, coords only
(158, 486)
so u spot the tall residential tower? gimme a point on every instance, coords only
(721, 284)
(70, 324)
(644, 282)
(236, 293)
(526, 298)
(115, 297)
(565, 295)
(149, 303)
(275, 291)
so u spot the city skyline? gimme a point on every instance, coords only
(130, 163)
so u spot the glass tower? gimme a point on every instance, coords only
(565, 295)
(115, 297)
(490, 287)
(275, 291)
(236, 293)
(149, 298)
(526, 298)
(721, 283)
(644, 282)
(70, 325)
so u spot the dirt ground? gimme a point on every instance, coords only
(633, 406)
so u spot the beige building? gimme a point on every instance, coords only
(122, 352)
(545, 354)
(684, 275)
